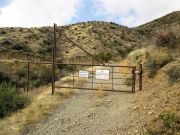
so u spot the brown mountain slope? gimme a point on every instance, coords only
(95, 37)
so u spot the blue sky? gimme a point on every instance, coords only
(87, 13)
(3, 3)
(36, 13)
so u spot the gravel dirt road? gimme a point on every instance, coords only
(85, 114)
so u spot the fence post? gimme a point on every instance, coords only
(140, 77)
(28, 66)
(133, 79)
(73, 78)
(92, 77)
(112, 78)
(54, 60)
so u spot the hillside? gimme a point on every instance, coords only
(167, 20)
(92, 36)
(34, 43)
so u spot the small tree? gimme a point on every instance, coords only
(104, 56)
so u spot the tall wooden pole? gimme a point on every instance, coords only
(133, 79)
(140, 77)
(54, 61)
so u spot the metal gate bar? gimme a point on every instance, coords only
(94, 89)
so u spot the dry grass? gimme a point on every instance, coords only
(100, 92)
(68, 79)
(42, 104)
(122, 70)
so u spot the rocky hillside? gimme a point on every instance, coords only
(95, 37)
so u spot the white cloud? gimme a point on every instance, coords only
(135, 12)
(30, 13)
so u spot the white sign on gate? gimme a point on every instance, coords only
(102, 74)
(83, 74)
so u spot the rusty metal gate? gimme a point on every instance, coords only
(112, 78)
(92, 76)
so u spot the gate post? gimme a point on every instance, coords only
(140, 77)
(28, 66)
(54, 60)
(133, 79)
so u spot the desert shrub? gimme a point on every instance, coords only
(70, 68)
(59, 66)
(151, 67)
(21, 30)
(113, 27)
(21, 80)
(166, 40)
(4, 77)
(44, 29)
(138, 56)
(124, 51)
(45, 76)
(45, 50)
(156, 61)
(46, 47)
(174, 73)
(11, 99)
(21, 47)
(33, 36)
(46, 42)
(129, 81)
(8, 42)
(165, 124)
(3, 32)
(21, 72)
(104, 56)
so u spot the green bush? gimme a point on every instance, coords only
(70, 68)
(44, 29)
(129, 81)
(104, 56)
(46, 48)
(59, 66)
(47, 42)
(11, 99)
(156, 61)
(21, 77)
(4, 77)
(21, 47)
(8, 42)
(151, 67)
(124, 51)
(45, 76)
(3, 32)
(174, 73)
(33, 36)
(166, 40)
(165, 124)
(21, 72)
